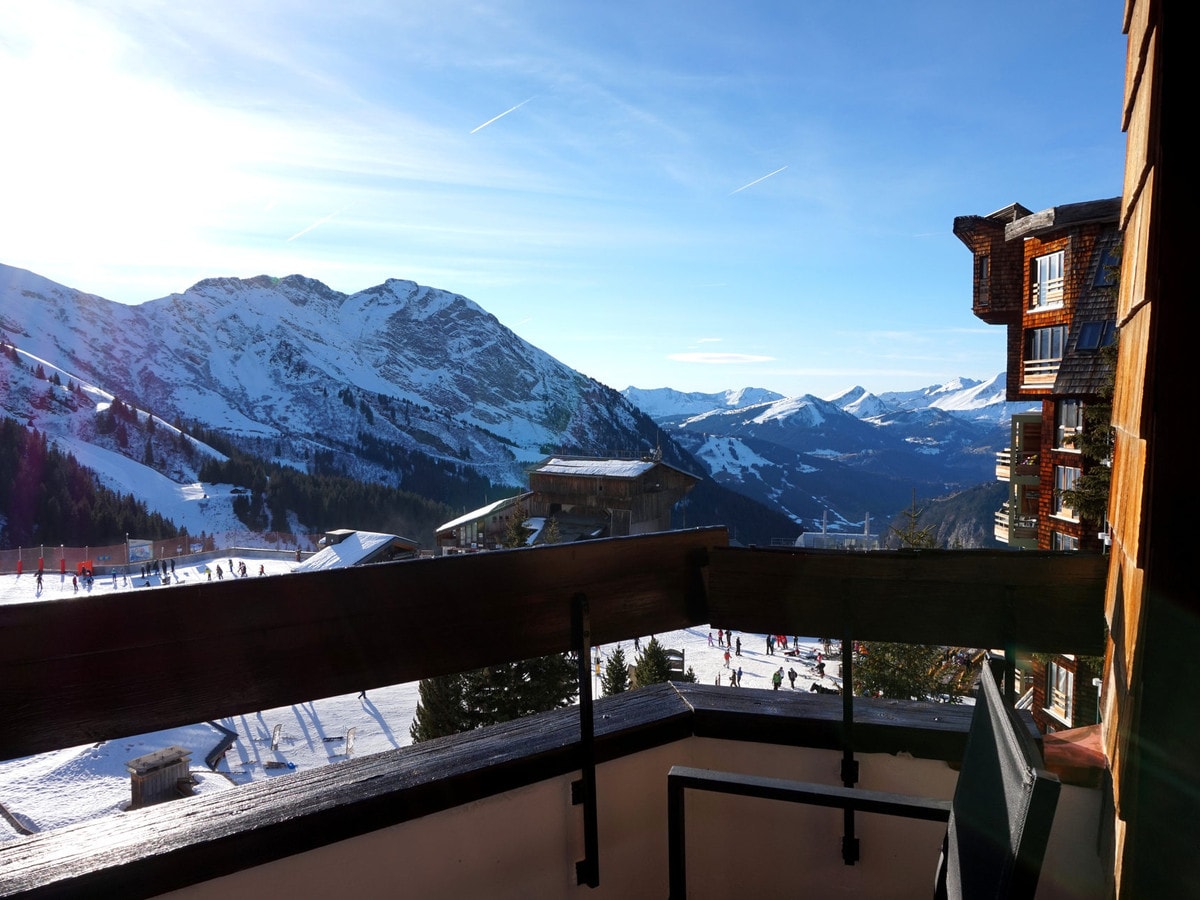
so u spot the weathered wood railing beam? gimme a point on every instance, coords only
(1041, 601)
(99, 667)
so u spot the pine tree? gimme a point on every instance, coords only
(615, 679)
(450, 704)
(898, 671)
(441, 709)
(910, 533)
(1089, 498)
(515, 532)
(652, 667)
(902, 671)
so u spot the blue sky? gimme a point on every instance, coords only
(690, 194)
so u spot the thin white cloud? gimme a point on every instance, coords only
(321, 221)
(501, 116)
(757, 180)
(720, 359)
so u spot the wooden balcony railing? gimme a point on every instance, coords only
(100, 667)
(1040, 371)
(103, 667)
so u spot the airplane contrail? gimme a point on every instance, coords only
(320, 221)
(501, 116)
(757, 180)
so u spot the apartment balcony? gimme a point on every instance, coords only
(1020, 467)
(540, 806)
(1016, 531)
(1039, 373)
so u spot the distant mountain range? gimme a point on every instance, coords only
(848, 456)
(386, 384)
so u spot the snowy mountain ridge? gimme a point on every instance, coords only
(357, 384)
(294, 362)
(847, 454)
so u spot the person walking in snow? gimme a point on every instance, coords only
(727, 659)
(739, 647)
(739, 676)
(721, 636)
(792, 676)
(770, 645)
(777, 679)
(710, 643)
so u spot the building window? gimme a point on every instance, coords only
(1043, 353)
(983, 267)
(1064, 541)
(1064, 480)
(1069, 416)
(1094, 335)
(1106, 269)
(1047, 274)
(1060, 692)
(1047, 343)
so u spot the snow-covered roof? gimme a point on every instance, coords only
(352, 550)
(481, 512)
(610, 468)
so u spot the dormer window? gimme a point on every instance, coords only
(1094, 335)
(1047, 272)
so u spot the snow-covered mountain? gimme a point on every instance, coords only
(401, 385)
(851, 454)
(310, 370)
(669, 406)
(380, 383)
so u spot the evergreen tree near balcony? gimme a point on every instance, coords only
(903, 671)
(652, 666)
(1089, 497)
(615, 678)
(515, 532)
(450, 704)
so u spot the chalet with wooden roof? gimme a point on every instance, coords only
(347, 547)
(586, 497)
(622, 496)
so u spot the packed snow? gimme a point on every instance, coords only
(76, 784)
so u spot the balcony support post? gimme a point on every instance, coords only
(850, 854)
(587, 870)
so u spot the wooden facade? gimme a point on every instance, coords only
(1007, 247)
(1151, 718)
